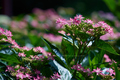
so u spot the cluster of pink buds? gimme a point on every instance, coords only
(79, 67)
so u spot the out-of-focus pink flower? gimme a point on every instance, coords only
(53, 38)
(25, 48)
(88, 71)
(55, 76)
(22, 24)
(28, 76)
(104, 25)
(10, 69)
(40, 50)
(108, 36)
(42, 17)
(88, 21)
(20, 75)
(108, 16)
(2, 31)
(34, 23)
(117, 23)
(61, 22)
(50, 56)
(111, 72)
(21, 55)
(78, 67)
(98, 71)
(62, 32)
(8, 33)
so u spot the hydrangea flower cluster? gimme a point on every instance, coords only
(107, 73)
(79, 67)
(6, 36)
(24, 72)
(110, 72)
(87, 26)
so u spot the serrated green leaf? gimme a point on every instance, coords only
(104, 46)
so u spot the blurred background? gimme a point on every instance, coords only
(84, 7)
(28, 20)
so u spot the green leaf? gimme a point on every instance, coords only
(98, 58)
(55, 51)
(104, 46)
(46, 71)
(116, 72)
(30, 52)
(9, 58)
(35, 40)
(111, 4)
(68, 51)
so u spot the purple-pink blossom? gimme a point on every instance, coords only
(97, 71)
(111, 72)
(55, 76)
(28, 76)
(61, 22)
(88, 21)
(10, 69)
(22, 55)
(40, 50)
(20, 75)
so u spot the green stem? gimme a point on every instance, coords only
(74, 47)
(80, 47)
(82, 54)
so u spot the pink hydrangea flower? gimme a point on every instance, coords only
(10, 68)
(98, 71)
(77, 19)
(22, 55)
(53, 38)
(2, 31)
(40, 50)
(20, 75)
(55, 76)
(111, 72)
(8, 33)
(25, 48)
(78, 67)
(34, 23)
(61, 22)
(50, 56)
(88, 21)
(88, 71)
(28, 76)
(107, 59)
